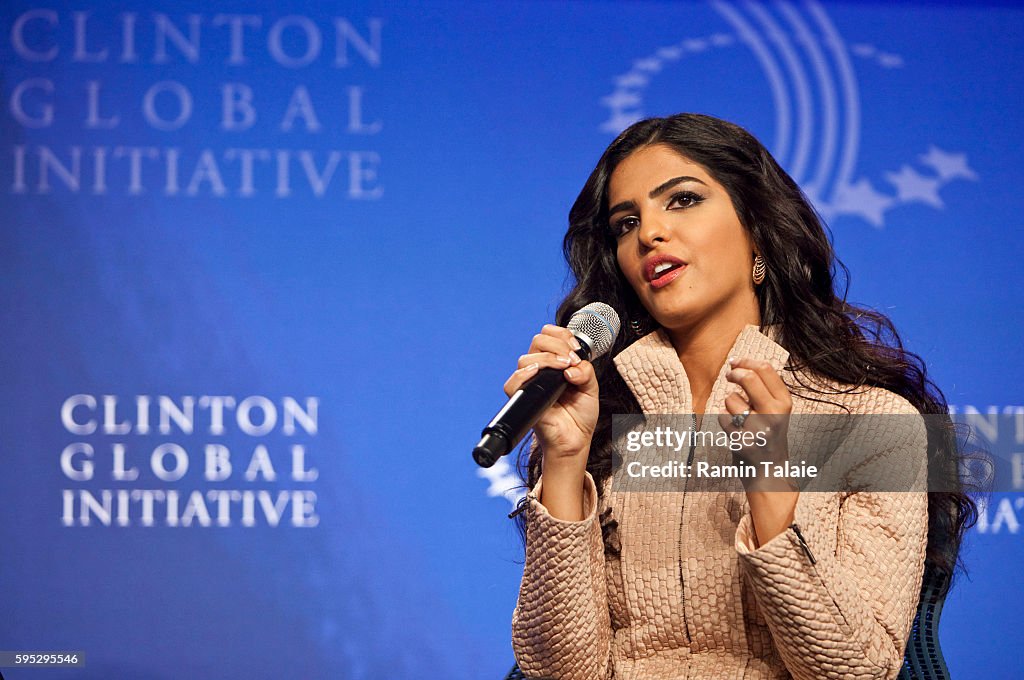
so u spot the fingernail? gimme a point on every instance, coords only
(564, 360)
(531, 367)
(575, 344)
(571, 373)
(732, 360)
(573, 358)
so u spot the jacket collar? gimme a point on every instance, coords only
(651, 369)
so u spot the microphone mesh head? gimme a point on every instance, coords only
(600, 323)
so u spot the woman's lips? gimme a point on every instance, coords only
(668, 277)
(661, 269)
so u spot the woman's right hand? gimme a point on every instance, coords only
(564, 431)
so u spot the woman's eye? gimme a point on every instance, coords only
(685, 199)
(624, 224)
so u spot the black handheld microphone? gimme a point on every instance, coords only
(595, 326)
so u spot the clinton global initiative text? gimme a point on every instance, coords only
(175, 508)
(174, 172)
(253, 443)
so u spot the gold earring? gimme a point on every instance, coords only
(759, 270)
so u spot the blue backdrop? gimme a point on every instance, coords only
(267, 265)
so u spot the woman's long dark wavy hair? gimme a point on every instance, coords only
(824, 334)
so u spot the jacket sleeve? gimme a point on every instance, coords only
(561, 629)
(840, 591)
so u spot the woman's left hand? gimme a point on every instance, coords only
(764, 414)
(765, 411)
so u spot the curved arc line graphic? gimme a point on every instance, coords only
(851, 98)
(830, 117)
(809, 43)
(772, 72)
(804, 121)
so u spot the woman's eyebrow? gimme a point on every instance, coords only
(658, 190)
(619, 207)
(665, 186)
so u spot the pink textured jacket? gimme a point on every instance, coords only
(689, 596)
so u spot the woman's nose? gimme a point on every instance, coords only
(652, 231)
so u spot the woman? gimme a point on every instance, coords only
(723, 276)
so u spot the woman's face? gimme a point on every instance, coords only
(680, 243)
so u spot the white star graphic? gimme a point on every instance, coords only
(861, 199)
(948, 165)
(913, 186)
(504, 481)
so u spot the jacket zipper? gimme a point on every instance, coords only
(682, 509)
(803, 543)
(521, 506)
